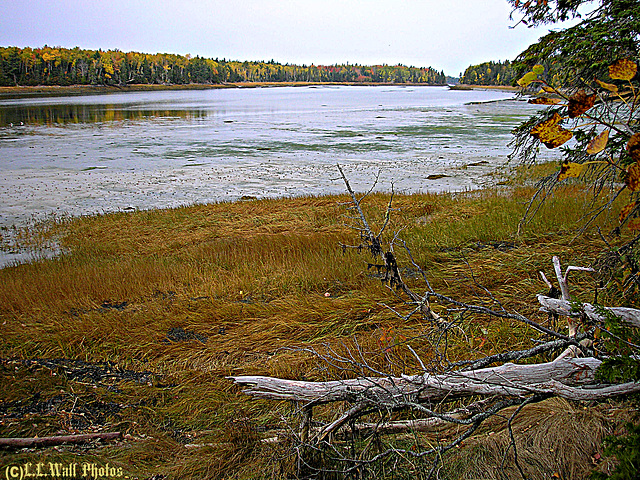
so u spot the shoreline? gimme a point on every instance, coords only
(464, 86)
(73, 90)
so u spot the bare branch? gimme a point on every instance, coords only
(373, 240)
(57, 440)
(629, 316)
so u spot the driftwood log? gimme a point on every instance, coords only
(571, 378)
(57, 440)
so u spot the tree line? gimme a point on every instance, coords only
(63, 66)
(490, 73)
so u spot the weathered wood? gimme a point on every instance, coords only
(562, 280)
(402, 426)
(567, 377)
(57, 440)
(339, 422)
(630, 316)
(307, 417)
(584, 394)
(566, 296)
(422, 424)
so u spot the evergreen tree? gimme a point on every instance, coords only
(589, 76)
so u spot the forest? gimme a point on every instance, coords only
(490, 73)
(63, 66)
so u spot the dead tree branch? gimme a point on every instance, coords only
(57, 440)
(572, 378)
(595, 313)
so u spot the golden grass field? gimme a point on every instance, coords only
(152, 310)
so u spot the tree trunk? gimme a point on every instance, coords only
(572, 378)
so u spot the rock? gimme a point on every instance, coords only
(436, 177)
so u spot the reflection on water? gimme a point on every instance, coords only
(65, 114)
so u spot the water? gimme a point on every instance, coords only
(85, 154)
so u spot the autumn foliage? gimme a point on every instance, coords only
(489, 73)
(62, 66)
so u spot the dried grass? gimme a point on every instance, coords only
(253, 277)
(554, 439)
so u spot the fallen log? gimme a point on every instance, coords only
(57, 440)
(629, 316)
(572, 378)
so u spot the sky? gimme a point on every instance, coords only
(448, 35)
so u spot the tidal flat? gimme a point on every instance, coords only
(73, 155)
(77, 155)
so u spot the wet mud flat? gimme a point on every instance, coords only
(94, 154)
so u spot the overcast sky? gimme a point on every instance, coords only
(448, 35)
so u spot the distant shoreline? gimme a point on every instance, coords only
(462, 86)
(56, 90)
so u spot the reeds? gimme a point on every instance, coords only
(244, 280)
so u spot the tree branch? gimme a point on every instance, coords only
(595, 313)
(561, 377)
(57, 440)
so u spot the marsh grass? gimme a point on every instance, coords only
(198, 293)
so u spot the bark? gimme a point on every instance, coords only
(629, 316)
(58, 440)
(572, 378)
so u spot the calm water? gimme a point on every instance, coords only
(86, 154)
